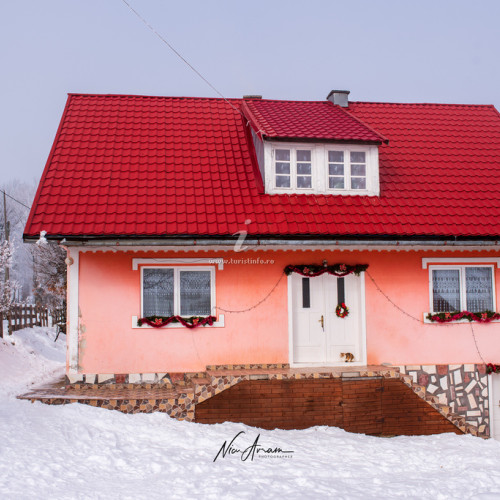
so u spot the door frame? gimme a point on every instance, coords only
(362, 346)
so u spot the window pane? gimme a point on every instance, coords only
(479, 289)
(336, 169)
(282, 155)
(195, 293)
(358, 157)
(283, 168)
(445, 290)
(303, 155)
(358, 183)
(303, 182)
(336, 156)
(158, 292)
(340, 291)
(336, 182)
(282, 181)
(306, 293)
(304, 168)
(358, 170)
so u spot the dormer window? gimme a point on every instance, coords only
(346, 169)
(293, 168)
(321, 168)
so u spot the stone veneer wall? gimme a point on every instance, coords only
(464, 388)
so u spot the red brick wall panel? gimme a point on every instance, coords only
(375, 406)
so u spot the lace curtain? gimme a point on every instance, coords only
(158, 292)
(478, 283)
(195, 293)
(446, 290)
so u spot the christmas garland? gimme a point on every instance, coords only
(491, 368)
(192, 322)
(446, 317)
(342, 310)
(313, 270)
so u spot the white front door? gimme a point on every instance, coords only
(495, 405)
(319, 336)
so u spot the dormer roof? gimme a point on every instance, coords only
(307, 120)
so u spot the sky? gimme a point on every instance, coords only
(384, 50)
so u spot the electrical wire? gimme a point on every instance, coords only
(12, 198)
(178, 54)
(255, 305)
(417, 319)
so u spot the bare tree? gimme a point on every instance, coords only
(49, 274)
(7, 285)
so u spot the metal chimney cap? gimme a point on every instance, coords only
(340, 97)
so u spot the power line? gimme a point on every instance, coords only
(255, 305)
(12, 198)
(178, 54)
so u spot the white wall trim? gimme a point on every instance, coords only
(217, 324)
(363, 318)
(457, 260)
(152, 261)
(290, 318)
(73, 312)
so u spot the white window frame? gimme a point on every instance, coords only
(293, 169)
(461, 268)
(177, 290)
(347, 169)
(319, 168)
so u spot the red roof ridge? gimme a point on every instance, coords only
(133, 96)
(384, 139)
(440, 104)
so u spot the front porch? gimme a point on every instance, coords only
(376, 399)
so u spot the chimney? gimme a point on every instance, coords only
(340, 97)
(252, 97)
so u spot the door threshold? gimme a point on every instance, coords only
(327, 365)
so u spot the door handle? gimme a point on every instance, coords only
(322, 321)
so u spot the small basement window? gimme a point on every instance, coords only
(177, 291)
(462, 288)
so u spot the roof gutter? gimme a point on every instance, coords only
(277, 242)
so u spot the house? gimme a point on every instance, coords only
(207, 232)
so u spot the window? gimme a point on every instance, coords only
(321, 168)
(462, 288)
(346, 170)
(293, 168)
(177, 291)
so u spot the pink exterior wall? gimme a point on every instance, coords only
(109, 295)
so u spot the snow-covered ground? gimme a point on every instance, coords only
(79, 452)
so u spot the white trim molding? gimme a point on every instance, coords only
(152, 261)
(216, 324)
(73, 312)
(457, 260)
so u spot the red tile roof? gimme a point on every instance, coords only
(306, 120)
(173, 166)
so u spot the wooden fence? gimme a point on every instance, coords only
(27, 316)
